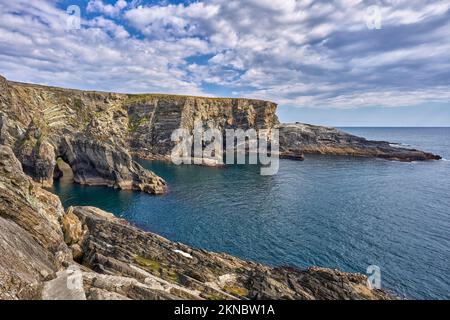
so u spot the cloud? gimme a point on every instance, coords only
(107, 9)
(297, 53)
(35, 46)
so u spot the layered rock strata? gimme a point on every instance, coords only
(308, 139)
(96, 133)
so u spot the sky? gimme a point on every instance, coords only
(338, 63)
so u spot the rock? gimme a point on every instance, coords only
(72, 228)
(87, 130)
(98, 163)
(7, 131)
(30, 207)
(77, 252)
(153, 118)
(307, 139)
(313, 283)
(32, 246)
(24, 263)
(68, 285)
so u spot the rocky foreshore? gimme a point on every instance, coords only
(87, 253)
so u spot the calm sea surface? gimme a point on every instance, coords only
(327, 211)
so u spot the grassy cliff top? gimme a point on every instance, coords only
(129, 96)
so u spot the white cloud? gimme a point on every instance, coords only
(106, 9)
(307, 53)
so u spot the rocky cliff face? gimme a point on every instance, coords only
(32, 246)
(88, 130)
(43, 123)
(86, 253)
(96, 132)
(153, 118)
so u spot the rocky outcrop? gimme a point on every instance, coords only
(95, 163)
(24, 263)
(33, 117)
(32, 246)
(87, 130)
(30, 207)
(298, 139)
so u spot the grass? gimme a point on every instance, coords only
(149, 264)
(173, 276)
(134, 124)
(235, 290)
(211, 296)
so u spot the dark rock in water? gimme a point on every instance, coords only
(308, 139)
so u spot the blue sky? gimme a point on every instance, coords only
(341, 62)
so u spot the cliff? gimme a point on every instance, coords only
(96, 133)
(86, 253)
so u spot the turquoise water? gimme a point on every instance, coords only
(328, 211)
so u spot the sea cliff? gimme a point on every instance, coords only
(97, 133)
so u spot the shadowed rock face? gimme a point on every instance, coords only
(87, 253)
(95, 163)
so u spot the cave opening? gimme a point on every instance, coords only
(63, 172)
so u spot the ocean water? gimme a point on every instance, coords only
(334, 212)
